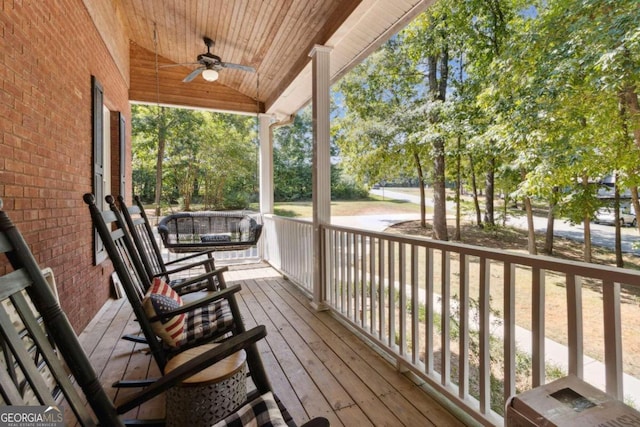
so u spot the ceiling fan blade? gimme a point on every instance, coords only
(192, 75)
(238, 67)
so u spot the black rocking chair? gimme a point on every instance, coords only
(149, 251)
(223, 320)
(42, 366)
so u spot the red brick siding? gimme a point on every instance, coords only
(49, 50)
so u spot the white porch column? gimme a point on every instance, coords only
(266, 163)
(321, 165)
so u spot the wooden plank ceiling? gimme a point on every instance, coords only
(273, 36)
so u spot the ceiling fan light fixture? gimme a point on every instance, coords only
(210, 75)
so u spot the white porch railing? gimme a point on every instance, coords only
(287, 245)
(471, 321)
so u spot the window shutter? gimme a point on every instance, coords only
(123, 169)
(98, 159)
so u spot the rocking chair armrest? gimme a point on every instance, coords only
(201, 278)
(208, 253)
(191, 265)
(222, 294)
(197, 364)
(186, 267)
(194, 255)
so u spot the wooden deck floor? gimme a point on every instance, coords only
(316, 366)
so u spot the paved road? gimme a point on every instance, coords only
(601, 235)
(373, 222)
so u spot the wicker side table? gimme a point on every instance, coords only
(211, 394)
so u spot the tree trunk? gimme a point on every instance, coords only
(636, 204)
(490, 180)
(423, 209)
(505, 206)
(630, 97)
(456, 235)
(616, 207)
(551, 216)
(444, 73)
(587, 225)
(474, 187)
(531, 230)
(439, 193)
(187, 189)
(161, 144)
(438, 91)
(587, 238)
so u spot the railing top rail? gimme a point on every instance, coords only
(284, 218)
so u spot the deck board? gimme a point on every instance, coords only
(374, 362)
(368, 388)
(336, 371)
(316, 365)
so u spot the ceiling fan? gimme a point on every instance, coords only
(210, 64)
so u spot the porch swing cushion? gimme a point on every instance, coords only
(211, 238)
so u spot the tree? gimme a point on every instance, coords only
(228, 161)
(428, 38)
(184, 146)
(197, 154)
(292, 163)
(382, 107)
(152, 128)
(608, 35)
(488, 22)
(544, 102)
(292, 158)
(550, 90)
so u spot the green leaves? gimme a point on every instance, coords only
(210, 158)
(545, 91)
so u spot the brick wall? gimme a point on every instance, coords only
(48, 52)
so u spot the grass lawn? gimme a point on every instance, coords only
(371, 206)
